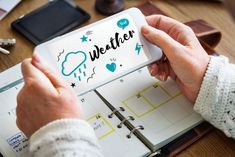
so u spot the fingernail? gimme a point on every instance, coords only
(165, 78)
(36, 59)
(162, 78)
(145, 30)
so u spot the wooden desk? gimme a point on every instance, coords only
(215, 143)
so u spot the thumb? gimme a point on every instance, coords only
(56, 80)
(162, 40)
(33, 76)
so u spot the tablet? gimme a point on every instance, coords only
(52, 19)
(101, 52)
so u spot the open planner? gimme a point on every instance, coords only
(133, 121)
(134, 115)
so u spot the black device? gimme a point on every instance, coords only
(52, 19)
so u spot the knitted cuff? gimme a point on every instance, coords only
(208, 95)
(63, 129)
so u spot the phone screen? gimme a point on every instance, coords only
(105, 51)
(55, 18)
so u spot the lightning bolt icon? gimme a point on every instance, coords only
(138, 48)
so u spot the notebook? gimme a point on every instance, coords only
(133, 121)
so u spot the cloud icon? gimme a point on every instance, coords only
(72, 62)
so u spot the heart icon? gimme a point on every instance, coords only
(111, 67)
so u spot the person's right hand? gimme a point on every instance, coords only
(186, 59)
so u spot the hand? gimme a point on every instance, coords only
(186, 59)
(45, 97)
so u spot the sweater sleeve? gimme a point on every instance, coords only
(216, 99)
(65, 138)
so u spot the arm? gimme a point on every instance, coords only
(49, 114)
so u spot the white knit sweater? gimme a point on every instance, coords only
(65, 138)
(216, 99)
(215, 102)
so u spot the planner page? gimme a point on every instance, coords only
(13, 143)
(113, 140)
(157, 106)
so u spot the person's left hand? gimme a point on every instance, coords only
(45, 97)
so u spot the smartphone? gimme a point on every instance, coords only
(101, 52)
(52, 19)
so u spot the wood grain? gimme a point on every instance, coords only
(214, 144)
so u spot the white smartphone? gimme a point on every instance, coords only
(101, 52)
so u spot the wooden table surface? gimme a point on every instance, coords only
(214, 144)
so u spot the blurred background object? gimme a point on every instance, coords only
(231, 6)
(109, 7)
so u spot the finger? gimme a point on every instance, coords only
(158, 77)
(163, 40)
(34, 76)
(163, 71)
(161, 77)
(163, 23)
(56, 80)
(26, 70)
(171, 26)
(153, 69)
(164, 77)
(160, 71)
